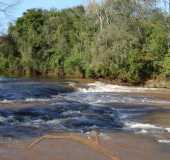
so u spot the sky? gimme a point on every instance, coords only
(22, 5)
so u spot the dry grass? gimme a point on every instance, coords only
(92, 142)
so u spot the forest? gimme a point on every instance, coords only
(122, 40)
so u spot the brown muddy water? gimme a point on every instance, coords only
(133, 122)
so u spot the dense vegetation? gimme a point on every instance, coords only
(124, 40)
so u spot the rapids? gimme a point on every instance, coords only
(70, 106)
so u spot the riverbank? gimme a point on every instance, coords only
(124, 146)
(159, 82)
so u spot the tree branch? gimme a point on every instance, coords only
(6, 7)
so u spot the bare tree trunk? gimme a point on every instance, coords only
(100, 20)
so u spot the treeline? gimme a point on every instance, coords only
(124, 40)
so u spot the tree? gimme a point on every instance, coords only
(125, 40)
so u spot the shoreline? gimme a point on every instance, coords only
(151, 83)
(123, 146)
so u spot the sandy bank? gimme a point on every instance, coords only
(126, 147)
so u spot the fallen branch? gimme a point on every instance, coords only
(92, 142)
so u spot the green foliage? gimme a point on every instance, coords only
(166, 66)
(124, 40)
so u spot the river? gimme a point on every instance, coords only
(135, 117)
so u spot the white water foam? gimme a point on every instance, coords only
(2, 119)
(54, 122)
(104, 87)
(67, 113)
(165, 141)
(6, 101)
(145, 126)
(102, 135)
(37, 100)
(39, 122)
(168, 130)
(149, 129)
(100, 87)
(143, 131)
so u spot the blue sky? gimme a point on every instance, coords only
(23, 5)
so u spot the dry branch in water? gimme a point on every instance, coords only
(92, 142)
